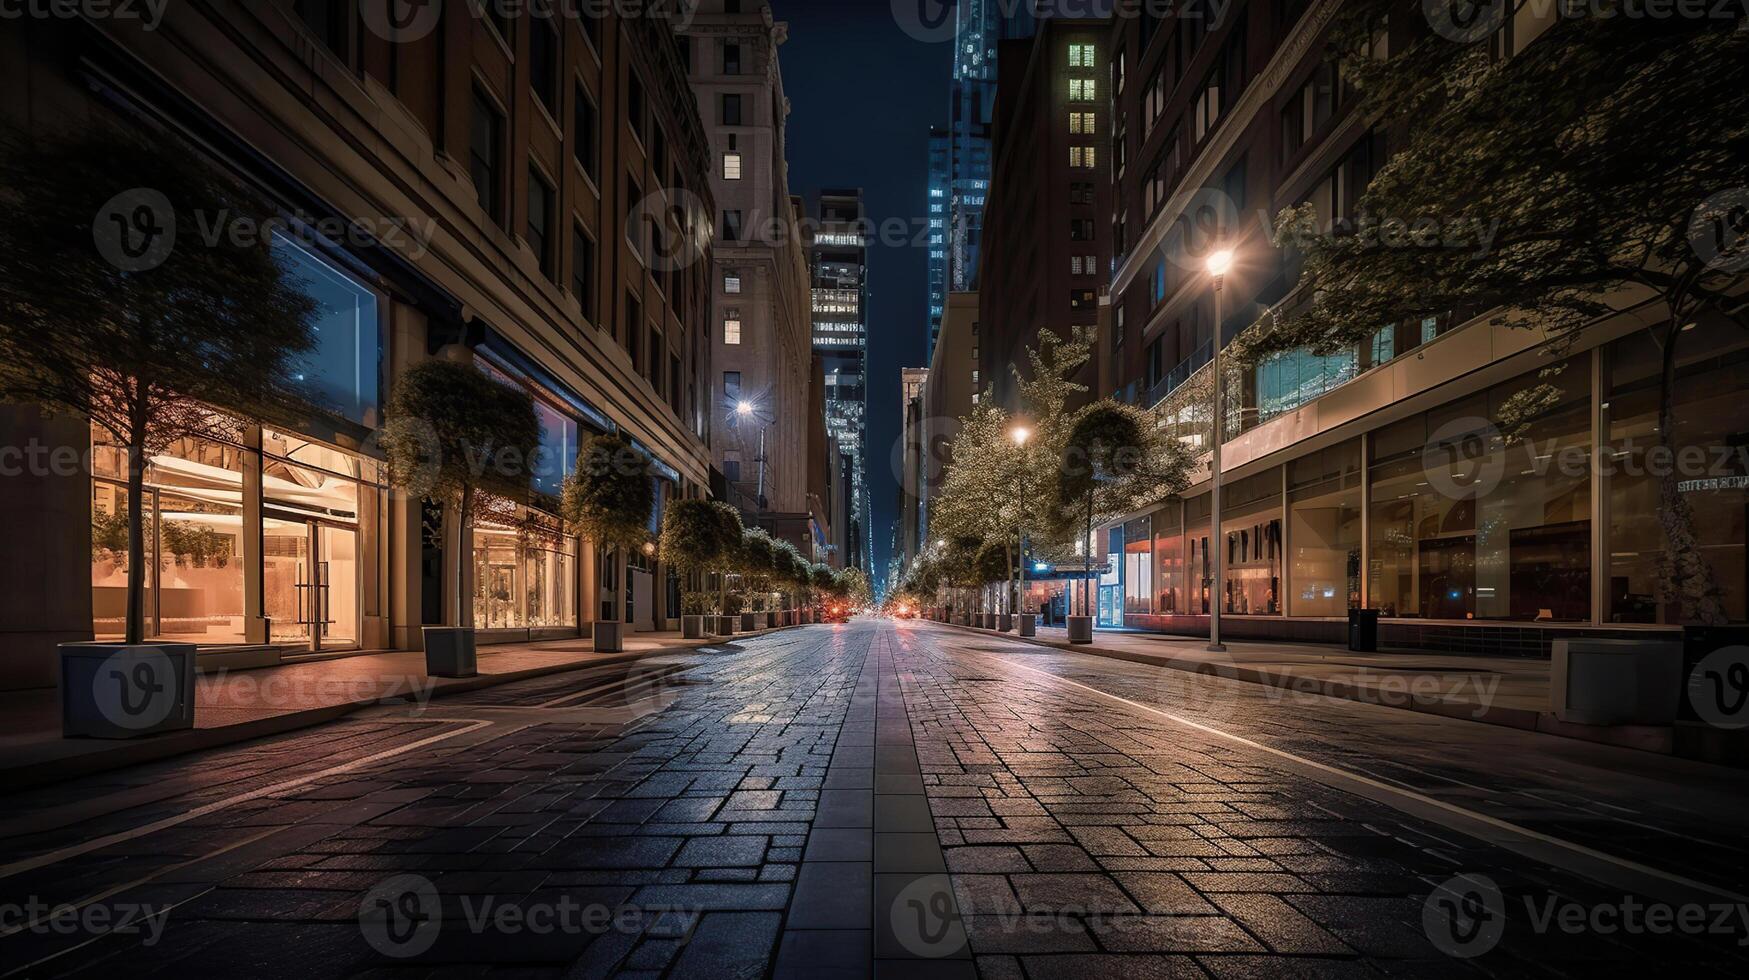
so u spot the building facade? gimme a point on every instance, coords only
(949, 393)
(909, 523)
(1374, 477)
(936, 207)
(518, 191)
(1047, 234)
(839, 254)
(761, 343)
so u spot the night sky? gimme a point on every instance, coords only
(863, 95)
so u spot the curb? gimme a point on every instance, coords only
(1640, 737)
(123, 754)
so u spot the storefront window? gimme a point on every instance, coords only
(193, 508)
(1705, 450)
(312, 576)
(1169, 583)
(1324, 532)
(1138, 567)
(341, 374)
(1468, 524)
(1200, 575)
(524, 572)
(1251, 517)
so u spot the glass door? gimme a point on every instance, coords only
(337, 587)
(310, 583)
(286, 579)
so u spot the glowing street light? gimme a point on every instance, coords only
(1020, 434)
(1218, 263)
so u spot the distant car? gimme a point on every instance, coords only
(837, 612)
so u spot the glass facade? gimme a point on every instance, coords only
(524, 573)
(1323, 533)
(1443, 516)
(1704, 455)
(1470, 523)
(343, 373)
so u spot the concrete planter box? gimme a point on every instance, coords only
(987, 620)
(449, 651)
(751, 621)
(609, 636)
(1004, 622)
(1080, 629)
(1028, 623)
(723, 625)
(771, 619)
(692, 627)
(114, 690)
(1615, 682)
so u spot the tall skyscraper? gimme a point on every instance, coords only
(940, 194)
(839, 253)
(980, 25)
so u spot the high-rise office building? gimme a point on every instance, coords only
(839, 251)
(980, 25)
(936, 207)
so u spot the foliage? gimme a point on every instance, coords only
(695, 536)
(993, 486)
(853, 585)
(1119, 455)
(787, 566)
(610, 496)
(757, 552)
(107, 314)
(452, 431)
(991, 563)
(1546, 206)
(822, 579)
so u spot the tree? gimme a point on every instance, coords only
(788, 568)
(1115, 460)
(728, 560)
(143, 330)
(454, 434)
(1545, 203)
(757, 553)
(695, 536)
(855, 587)
(610, 496)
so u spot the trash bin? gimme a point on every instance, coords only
(1363, 630)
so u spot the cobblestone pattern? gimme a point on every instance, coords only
(1086, 838)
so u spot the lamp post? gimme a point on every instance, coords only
(1020, 434)
(744, 409)
(1218, 263)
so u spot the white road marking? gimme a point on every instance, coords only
(1511, 836)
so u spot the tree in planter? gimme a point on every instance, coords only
(1545, 204)
(610, 497)
(455, 435)
(1115, 460)
(728, 560)
(756, 567)
(789, 570)
(695, 538)
(106, 311)
(822, 581)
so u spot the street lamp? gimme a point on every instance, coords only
(744, 409)
(1020, 434)
(1218, 263)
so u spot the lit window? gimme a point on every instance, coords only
(1082, 156)
(731, 166)
(1080, 56)
(732, 327)
(731, 282)
(1081, 123)
(1082, 90)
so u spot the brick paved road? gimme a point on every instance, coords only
(876, 799)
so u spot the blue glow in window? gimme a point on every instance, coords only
(341, 375)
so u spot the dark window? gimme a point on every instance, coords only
(540, 220)
(485, 155)
(583, 271)
(659, 155)
(1082, 299)
(590, 14)
(731, 384)
(503, 20)
(1233, 184)
(1081, 229)
(731, 226)
(675, 384)
(586, 140)
(635, 104)
(1080, 192)
(635, 331)
(658, 357)
(634, 220)
(543, 64)
(327, 20)
(731, 110)
(731, 58)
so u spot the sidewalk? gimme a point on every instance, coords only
(237, 705)
(1508, 691)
